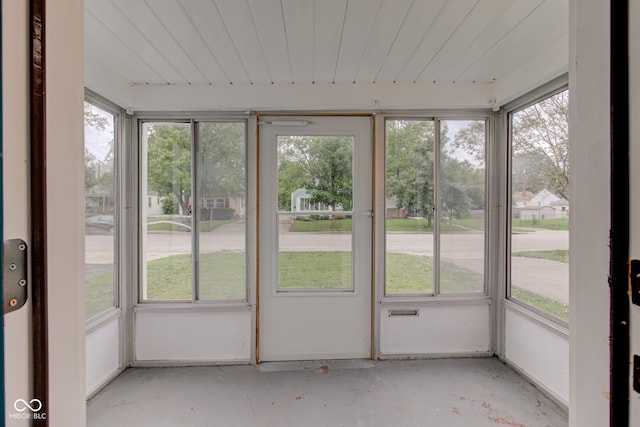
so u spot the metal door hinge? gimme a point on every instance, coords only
(14, 275)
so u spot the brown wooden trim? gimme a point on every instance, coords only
(38, 199)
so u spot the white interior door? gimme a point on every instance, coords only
(315, 201)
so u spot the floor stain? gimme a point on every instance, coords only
(508, 422)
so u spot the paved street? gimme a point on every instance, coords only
(548, 278)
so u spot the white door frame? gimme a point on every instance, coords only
(343, 314)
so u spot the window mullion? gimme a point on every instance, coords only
(436, 209)
(195, 221)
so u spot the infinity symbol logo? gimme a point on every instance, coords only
(22, 405)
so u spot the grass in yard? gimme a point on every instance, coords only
(413, 274)
(546, 305)
(547, 224)
(553, 255)
(222, 276)
(315, 270)
(99, 294)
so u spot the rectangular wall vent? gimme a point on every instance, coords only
(404, 312)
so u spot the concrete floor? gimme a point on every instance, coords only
(433, 393)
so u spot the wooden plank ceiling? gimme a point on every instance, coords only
(264, 42)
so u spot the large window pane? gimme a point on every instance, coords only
(462, 206)
(221, 211)
(166, 211)
(410, 160)
(540, 206)
(99, 188)
(315, 186)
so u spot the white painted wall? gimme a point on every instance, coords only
(312, 97)
(65, 181)
(193, 336)
(634, 142)
(438, 330)
(589, 225)
(541, 352)
(15, 48)
(102, 354)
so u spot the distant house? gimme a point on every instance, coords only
(301, 201)
(543, 205)
(393, 211)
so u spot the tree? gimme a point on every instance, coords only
(541, 134)
(169, 161)
(322, 165)
(222, 162)
(331, 171)
(410, 165)
(539, 146)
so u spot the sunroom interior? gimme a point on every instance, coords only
(281, 181)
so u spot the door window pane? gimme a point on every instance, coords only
(409, 206)
(462, 206)
(166, 224)
(540, 206)
(99, 209)
(221, 211)
(315, 186)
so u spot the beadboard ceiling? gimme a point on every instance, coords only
(265, 42)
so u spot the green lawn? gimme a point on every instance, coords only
(546, 305)
(546, 224)
(559, 255)
(222, 276)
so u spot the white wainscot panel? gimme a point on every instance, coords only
(436, 330)
(102, 354)
(222, 336)
(539, 351)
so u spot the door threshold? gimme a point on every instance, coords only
(318, 366)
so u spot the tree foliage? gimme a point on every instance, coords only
(222, 157)
(169, 161)
(410, 165)
(539, 146)
(322, 165)
(98, 172)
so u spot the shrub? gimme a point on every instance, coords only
(223, 213)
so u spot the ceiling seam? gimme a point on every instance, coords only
(393, 43)
(150, 43)
(178, 43)
(286, 39)
(355, 77)
(264, 56)
(235, 47)
(127, 45)
(213, 56)
(500, 39)
(446, 41)
(422, 39)
(344, 20)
